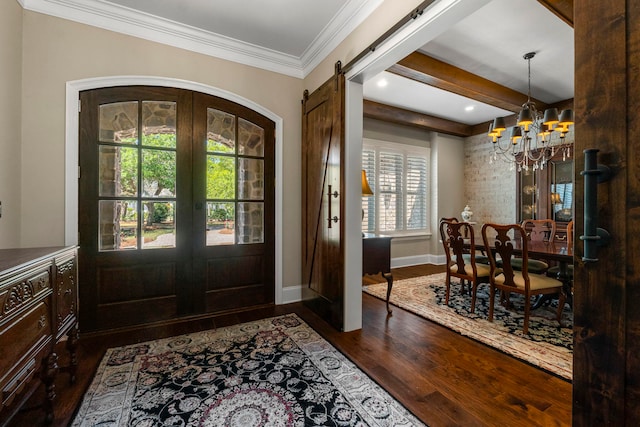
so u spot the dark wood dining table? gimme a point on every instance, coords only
(557, 251)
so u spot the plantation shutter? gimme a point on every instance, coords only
(368, 202)
(390, 189)
(416, 194)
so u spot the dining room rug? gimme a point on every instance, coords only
(271, 372)
(547, 345)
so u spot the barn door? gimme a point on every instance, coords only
(322, 199)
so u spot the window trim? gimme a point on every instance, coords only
(405, 150)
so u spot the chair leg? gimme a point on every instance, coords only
(561, 301)
(474, 291)
(492, 297)
(446, 298)
(527, 308)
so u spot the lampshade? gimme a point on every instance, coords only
(498, 125)
(550, 118)
(555, 199)
(525, 118)
(566, 119)
(516, 135)
(366, 190)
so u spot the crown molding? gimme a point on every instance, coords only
(109, 16)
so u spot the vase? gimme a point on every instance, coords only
(466, 214)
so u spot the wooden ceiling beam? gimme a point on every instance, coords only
(563, 9)
(387, 113)
(425, 69)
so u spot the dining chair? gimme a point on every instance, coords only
(537, 230)
(503, 238)
(567, 276)
(460, 263)
(480, 256)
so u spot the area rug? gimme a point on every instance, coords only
(272, 372)
(547, 345)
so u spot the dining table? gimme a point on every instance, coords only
(557, 251)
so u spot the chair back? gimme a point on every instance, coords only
(540, 230)
(452, 219)
(570, 234)
(453, 236)
(500, 241)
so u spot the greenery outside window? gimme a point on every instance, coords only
(399, 177)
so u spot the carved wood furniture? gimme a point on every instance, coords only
(376, 258)
(38, 308)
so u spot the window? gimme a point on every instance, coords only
(399, 178)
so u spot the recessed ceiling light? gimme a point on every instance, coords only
(469, 108)
(382, 82)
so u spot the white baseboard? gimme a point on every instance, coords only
(417, 260)
(294, 293)
(291, 294)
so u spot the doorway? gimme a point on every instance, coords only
(176, 205)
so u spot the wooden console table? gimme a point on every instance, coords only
(38, 308)
(376, 258)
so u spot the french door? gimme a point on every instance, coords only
(176, 201)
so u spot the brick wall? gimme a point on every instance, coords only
(490, 190)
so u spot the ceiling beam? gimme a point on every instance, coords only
(563, 9)
(425, 69)
(387, 113)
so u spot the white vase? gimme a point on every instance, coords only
(466, 214)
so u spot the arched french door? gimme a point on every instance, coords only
(176, 206)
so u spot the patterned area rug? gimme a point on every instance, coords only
(272, 372)
(547, 345)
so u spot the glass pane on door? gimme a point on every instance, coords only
(137, 182)
(221, 219)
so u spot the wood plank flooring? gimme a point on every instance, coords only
(444, 378)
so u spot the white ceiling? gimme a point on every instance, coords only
(292, 36)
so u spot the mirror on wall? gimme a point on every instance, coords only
(562, 190)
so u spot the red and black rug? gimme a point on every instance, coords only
(272, 372)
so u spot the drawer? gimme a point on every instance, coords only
(15, 296)
(22, 343)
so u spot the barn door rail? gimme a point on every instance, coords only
(594, 174)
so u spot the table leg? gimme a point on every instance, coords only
(389, 278)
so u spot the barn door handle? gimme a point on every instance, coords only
(334, 218)
(594, 174)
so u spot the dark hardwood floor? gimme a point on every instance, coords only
(443, 378)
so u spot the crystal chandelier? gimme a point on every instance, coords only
(529, 143)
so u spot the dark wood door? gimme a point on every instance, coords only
(239, 272)
(176, 206)
(322, 207)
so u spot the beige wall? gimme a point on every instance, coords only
(56, 51)
(10, 101)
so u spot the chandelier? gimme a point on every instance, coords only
(529, 143)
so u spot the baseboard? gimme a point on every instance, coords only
(408, 261)
(291, 294)
(294, 293)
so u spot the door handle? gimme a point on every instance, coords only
(334, 218)
(594, 174)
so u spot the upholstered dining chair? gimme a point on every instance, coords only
(480, 256)
(460, 263)
(537, 230)
(555, 270)
(503, 238)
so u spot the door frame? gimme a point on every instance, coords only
(73, 89)
(435, 19)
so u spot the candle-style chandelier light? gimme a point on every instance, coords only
(529, 143)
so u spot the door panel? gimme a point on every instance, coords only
(322, 207)
(233, 240)
(170, 223)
